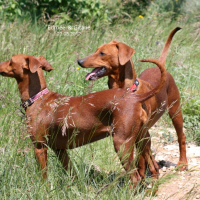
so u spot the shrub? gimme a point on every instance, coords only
(72, 9)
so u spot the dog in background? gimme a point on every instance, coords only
(114, 60)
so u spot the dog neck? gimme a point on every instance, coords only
(31, 84)
(124, 77)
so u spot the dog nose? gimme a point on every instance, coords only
(80, 62)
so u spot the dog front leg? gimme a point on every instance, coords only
(41, 157)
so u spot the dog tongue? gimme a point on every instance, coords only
(88, 76)
(91, 74)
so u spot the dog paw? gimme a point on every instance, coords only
(182, 166)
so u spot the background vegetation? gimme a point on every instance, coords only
(28, 27)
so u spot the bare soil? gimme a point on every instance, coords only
(183, 185)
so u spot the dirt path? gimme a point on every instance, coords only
(183, 185)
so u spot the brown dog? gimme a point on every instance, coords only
(62, 122)
(114, 60)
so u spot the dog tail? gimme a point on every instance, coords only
(164, 52)
(160, 63)
(147, 95)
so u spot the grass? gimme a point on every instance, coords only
(100, 175)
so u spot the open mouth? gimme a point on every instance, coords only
(97, 72)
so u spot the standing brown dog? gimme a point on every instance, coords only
(114, 60)
(62, 122)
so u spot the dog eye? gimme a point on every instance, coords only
(102, 53)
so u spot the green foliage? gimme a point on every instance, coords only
(172, 6)
(83, 10)
(192, 119)
(65, 11)
(135, 8)
(10, 9)
(68, 10)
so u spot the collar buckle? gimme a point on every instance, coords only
(27, 103)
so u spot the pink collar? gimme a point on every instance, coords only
(31, 100)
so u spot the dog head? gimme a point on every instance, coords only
(107, 59)
(22, 64)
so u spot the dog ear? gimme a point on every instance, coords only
(125, 53)
(31, 63)
(45, 64)
(113, 42)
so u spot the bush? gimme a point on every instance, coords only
(10, 9)
(173, 6)
(70, 9)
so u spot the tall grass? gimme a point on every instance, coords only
(97, 170)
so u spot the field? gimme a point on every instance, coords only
(97, 173)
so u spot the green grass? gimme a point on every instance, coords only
(99, 173)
